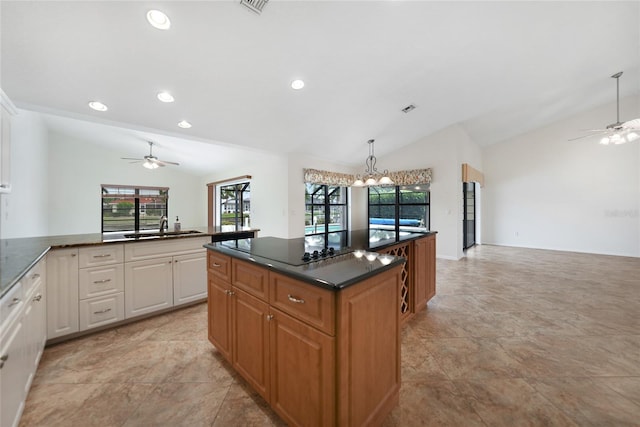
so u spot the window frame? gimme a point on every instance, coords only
(325, 207)
(398, 204)
(136, 196)
(239, 202)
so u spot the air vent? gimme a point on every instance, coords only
(408, 108)
(254, 5)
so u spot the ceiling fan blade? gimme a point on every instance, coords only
(170, 163)
(131, 158)
(601, 131)
(632, 124)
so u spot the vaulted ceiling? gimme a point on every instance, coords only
(497, 69)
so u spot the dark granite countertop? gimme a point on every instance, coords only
(19, 255)
(354, 258)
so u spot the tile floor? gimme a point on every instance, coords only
(515, 337)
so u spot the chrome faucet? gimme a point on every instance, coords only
(164, 223)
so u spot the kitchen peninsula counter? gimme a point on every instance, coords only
(318, 339)
(19, 255)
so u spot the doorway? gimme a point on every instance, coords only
(469, 216)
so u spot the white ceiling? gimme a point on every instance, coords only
(498, 69)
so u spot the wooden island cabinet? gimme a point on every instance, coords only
(321, 352)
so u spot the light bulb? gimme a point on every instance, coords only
(158, 19)
(98, 106)
(165, 97)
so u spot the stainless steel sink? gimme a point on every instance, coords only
(161, 234)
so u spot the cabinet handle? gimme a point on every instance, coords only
(294, 299)
(35, 276)
(231, 293)
(3, 359)
(14, 302)
(106, 310)
(37, 297)
(216, 264)
(4, 186)
(270, 317)
(102, 281)
(102, 256)
(72, 255)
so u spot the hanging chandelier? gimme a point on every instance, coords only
(371, 174)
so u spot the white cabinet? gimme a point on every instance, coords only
(101, 285)
(148, 286)
(189, 277)
(7, 109)
(22, 339)
(62, 292)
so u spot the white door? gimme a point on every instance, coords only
(62, 291)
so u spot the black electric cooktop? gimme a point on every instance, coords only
(288, 251)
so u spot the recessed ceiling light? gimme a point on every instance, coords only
(184, 124)
(165, 97)
(98, 106)
(158, 19)
(297, 84)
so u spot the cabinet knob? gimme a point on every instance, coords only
(37, 297)
(270, 317)
(13, 302)
(3, 359)
(231, 293)
(72, 255)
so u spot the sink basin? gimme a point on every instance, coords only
(159, 234)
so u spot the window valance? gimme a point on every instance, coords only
(407, 177)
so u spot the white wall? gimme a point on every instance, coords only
(444, 152)
(269, 190)
(78, 169)
(25, 209)
(543, 191)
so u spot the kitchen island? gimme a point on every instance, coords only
(318, 336)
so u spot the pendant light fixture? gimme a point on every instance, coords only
(371, 172)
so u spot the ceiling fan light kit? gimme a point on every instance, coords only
(618, 132)
(151, 161)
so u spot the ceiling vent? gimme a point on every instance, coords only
(408, 108)
(254, 5)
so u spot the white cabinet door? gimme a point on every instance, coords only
(13, 372)
(148, 286)
(35, 326)
(62, 292)
(189, 277)
(5, 144)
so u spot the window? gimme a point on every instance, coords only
(325, 213)
(130, 208)
(399, 208)
(235, 205)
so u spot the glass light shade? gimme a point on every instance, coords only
(358, 183)
(370, 181)
(359, 253)
(150, 165)
(158, 20)
(632, 136)
(385, 180)
(184, 124)
(385, 259)
(297, 84)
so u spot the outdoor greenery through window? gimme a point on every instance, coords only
(399, 208)
(325, 214)
(130, 208)
(235, 205)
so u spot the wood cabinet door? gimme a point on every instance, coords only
(420, 279)
(250, 335)
(302, 372)
(431, 266)
(219, 313)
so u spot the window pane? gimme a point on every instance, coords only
(414, 218)
(413, 194)
(235, 205)
(119, 206)
(382, 195)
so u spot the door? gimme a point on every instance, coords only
(148, 286)
(62, 292)
(469, 220)
(219, 309)
(189, 277)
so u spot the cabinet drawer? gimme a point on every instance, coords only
(101, 255)
(139, 251)
(219, 265)
(12, 302)
(250, 278)
(100, 311)
(34, 277)
(311, 304)
(99, 281)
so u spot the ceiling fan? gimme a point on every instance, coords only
(618, 132)
(151, 161)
